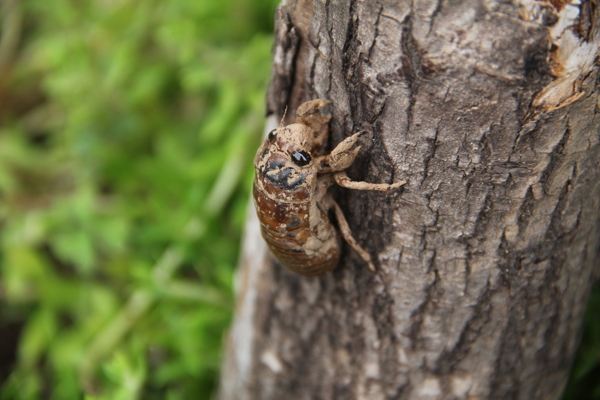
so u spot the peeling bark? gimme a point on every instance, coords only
(486, 259)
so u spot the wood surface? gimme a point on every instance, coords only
(486, 258)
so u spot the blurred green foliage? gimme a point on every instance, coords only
(584, 383)
(127, 130)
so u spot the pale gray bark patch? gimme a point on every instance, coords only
(285, 51)
(486, 259)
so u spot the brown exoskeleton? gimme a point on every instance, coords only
(290, 191)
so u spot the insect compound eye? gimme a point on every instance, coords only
(300, 157)
(271, 135)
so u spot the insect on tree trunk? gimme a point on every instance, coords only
(485, 259)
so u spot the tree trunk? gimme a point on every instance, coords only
(486, 259)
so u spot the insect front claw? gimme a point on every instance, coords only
(345, 152)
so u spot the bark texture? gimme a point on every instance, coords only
(490, 109)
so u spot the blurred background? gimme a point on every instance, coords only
(127, 132)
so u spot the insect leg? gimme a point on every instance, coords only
(316, 114)
(344, 153)
(342, 179)
(347, 234)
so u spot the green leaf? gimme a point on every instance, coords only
(75, 248)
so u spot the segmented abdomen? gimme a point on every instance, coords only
(286, 229)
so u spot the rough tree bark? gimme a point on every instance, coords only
(490, 109)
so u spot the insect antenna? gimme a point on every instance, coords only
(283, 118)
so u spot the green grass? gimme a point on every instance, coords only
(127, 129)
(124, 181)
(584, 383)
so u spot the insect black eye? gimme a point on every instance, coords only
(271, 135)
(301, 157)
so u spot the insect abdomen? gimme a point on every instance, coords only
(286, 229)
(298, 259)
